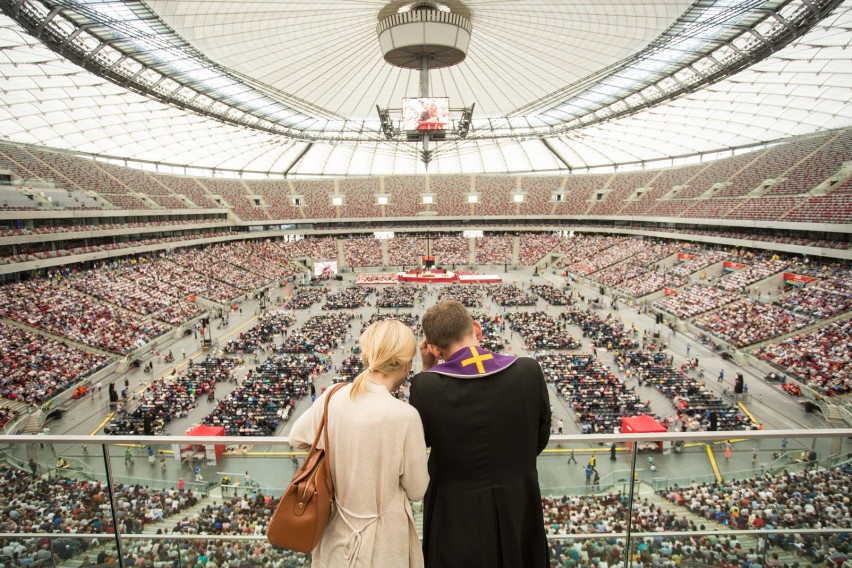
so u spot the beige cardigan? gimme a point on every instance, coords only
(378, 461)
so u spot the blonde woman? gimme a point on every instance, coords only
(378, 458)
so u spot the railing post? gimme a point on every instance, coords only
(115, 524)
(627, 550)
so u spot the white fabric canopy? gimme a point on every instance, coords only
(523, 55)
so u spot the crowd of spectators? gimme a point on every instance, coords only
(493, 250)
(492, 331)
(402, 296)
(135, 285)
(598, 398)
(168, 398)
(699, 261)
(790, 501)
(607, 513)
(61, 505)
(655, 251)
(191, 282)
(316, 248)
(694, 299)
(533, 247)
(267, 395)
(42, 251)
(509, 295)
(541, 331)
(218, 554)
(405, 251)
(759, 269)
(822, 299)
(821, 358)
(697, 408)
(617, 273)
(350, 368)
(259, 337)
(348, 298)
(621, 249)
(263, 257)
(58, 309)
(578, 247)
(606, 332)
(409, 319)
(470, 296)
(363, 252)
(303, 297)
(35, 367)
(208, 262)
(451, 250)
(649, 283)
(748, 321)
(376, 278)
(320, 334)
(551, 295)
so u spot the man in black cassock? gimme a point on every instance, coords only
(486, 417)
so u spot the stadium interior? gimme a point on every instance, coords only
(203, 203)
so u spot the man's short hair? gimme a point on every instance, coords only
(446, 323)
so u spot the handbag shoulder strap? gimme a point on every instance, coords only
(323, 430)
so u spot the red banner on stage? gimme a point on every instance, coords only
(685, 256)
(728, 265)
(669, 291)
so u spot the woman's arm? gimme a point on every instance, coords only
(414, 476)
(305, 428)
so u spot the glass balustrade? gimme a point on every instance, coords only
(755, 498)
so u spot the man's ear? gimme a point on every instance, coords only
(477, 329)
(435, 351)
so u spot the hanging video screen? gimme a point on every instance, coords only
(425, 113)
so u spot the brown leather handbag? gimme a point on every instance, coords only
(306, 505)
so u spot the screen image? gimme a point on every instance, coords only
(325, 267)
(425, 113)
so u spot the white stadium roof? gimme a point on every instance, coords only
(278, 86)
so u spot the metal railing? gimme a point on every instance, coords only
(104, 454)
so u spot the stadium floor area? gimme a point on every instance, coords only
(767, 403)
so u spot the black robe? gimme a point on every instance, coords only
(483, 505)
